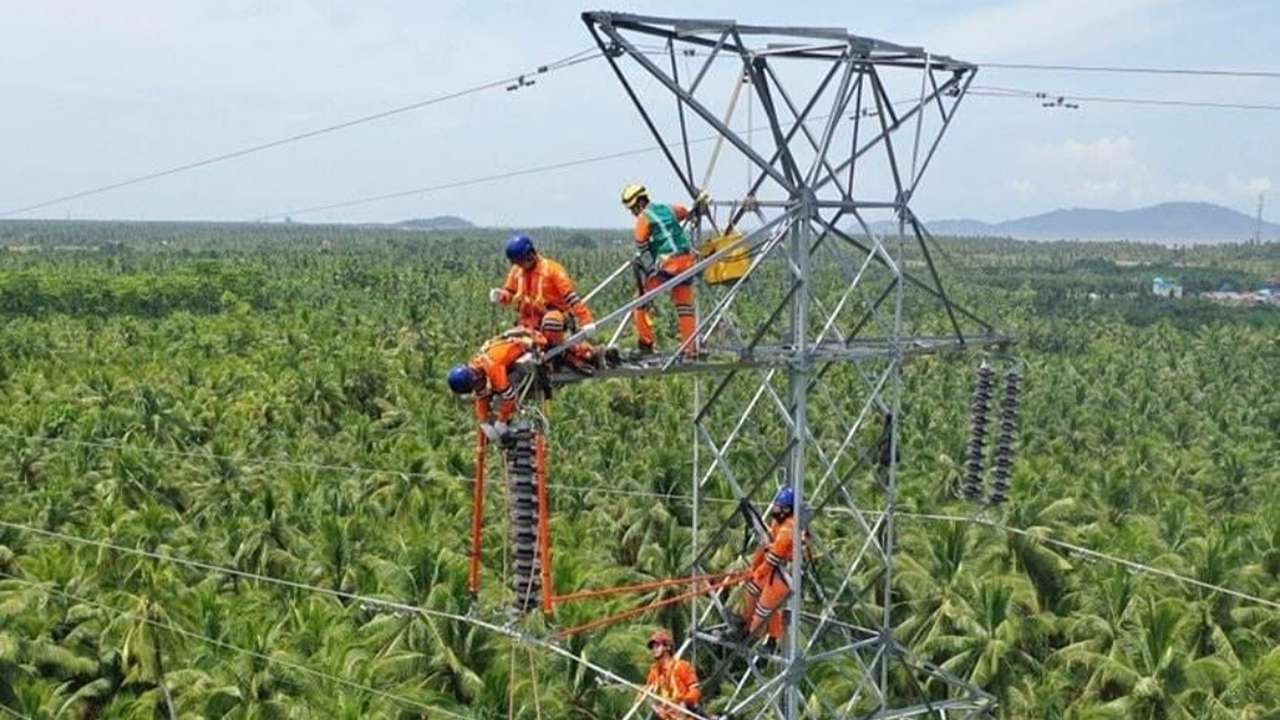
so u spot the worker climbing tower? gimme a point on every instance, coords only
(819, 286)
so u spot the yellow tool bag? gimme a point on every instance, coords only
(732, 265)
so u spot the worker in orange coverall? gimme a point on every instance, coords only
(544, 297)
(663, 252)
(671, 679)
(486, 376)
(770, 581)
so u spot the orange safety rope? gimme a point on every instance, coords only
(612, 619)
(639, 587)
(477, 515)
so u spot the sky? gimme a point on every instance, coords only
(99, 92)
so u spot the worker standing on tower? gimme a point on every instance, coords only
(545, 299)
(770, 581)
(488, 376)
(664, 251)
(671, 679)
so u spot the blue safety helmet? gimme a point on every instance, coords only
(785, 499)
(520, 248)
(462, 379)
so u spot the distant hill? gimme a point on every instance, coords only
(439, 222)
(1166, 222)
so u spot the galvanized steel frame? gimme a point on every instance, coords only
(794, 237)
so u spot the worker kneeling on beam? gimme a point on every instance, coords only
(770, 581)
(488, 376)
(545, 299)
(671, 679)
(663, 252)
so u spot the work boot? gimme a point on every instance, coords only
(644, 349)
(611, 357)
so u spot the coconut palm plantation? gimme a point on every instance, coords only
(221, 444)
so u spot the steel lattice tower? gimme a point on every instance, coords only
(803, 354)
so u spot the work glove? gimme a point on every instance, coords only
(496, 295)
(643, 262)
(491, 431)
(590, 331)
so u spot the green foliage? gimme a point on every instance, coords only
(204, 390)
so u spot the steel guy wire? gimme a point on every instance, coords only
(365, 600)
(42, 587)
(574, 59)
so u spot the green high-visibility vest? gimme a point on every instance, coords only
(666, 237)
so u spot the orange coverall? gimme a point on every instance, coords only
(674, 680)
(681, 295)
(770, 583)
(544, 287)
(493, 361)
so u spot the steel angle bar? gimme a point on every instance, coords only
(813, 693)
(706, 65)
(908, 658)
(647, 297)
(764, 687)
(915, 148)
(694, 105)
(852, 432)
(743, 417)
(760, 85)
(772, 701)
(865, 676)
(913, 279)
(635, 100)
(942, 109)
(880, 95)
(786, 99)
(833, 600)
(713, 318)
(777, 154)
(885, 131)
(921, 709)
(684, 128)
(719, 144)
(942, 131)
(612, 276)
(933, 270)
(843, 96)
(717, 540)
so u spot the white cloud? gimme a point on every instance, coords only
(1106, 170)
(1021, 186)
(1251, 187)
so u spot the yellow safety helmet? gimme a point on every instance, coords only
(631, 194)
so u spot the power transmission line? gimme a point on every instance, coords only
(978, 91)
(372, 602)
(1134, 70)
(228, 646)
(1018, 93)
(520, 80)
(1132, 565)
